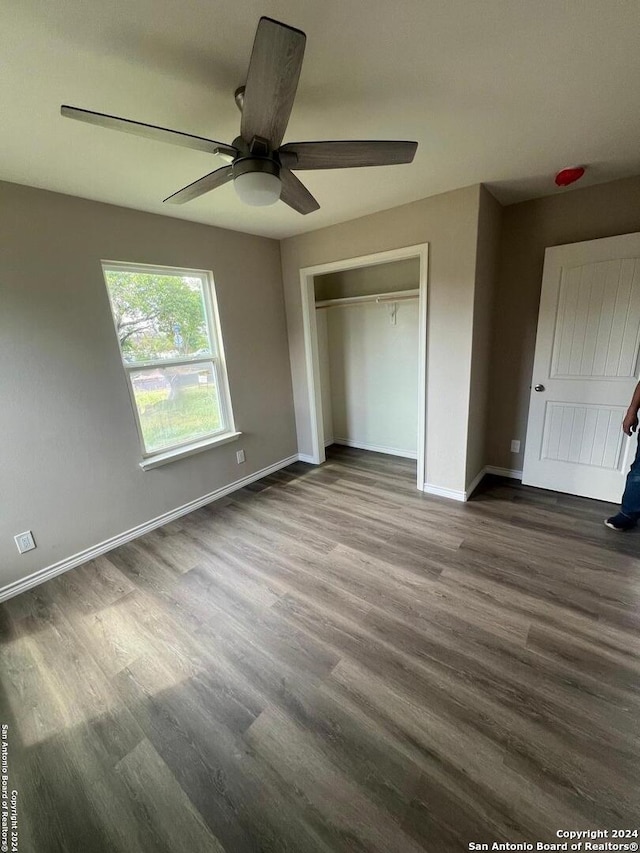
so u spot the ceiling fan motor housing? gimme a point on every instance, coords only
(245, 165)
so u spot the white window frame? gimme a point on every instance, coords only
(215, 360)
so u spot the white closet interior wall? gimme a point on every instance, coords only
(369, 358)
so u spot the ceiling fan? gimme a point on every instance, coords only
(259, 166)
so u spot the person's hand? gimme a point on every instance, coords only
(630, 423)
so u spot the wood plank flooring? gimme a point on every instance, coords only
(329, 660)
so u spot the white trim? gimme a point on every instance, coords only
(503, 472)
(441, 492)
(312, 366)
(366, 260)
(473, 485)
(94, 551)
(170, 362)
(187, 450)
(423, 307)
(456, 495)
(215, 358)
(375, 448)
(42, 575)
(153, 269)
(305, 457)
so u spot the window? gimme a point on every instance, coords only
(167, 326)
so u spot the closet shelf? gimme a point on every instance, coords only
(393, 296)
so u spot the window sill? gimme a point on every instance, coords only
(181, 452)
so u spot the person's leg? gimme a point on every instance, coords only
(630, 506)
(631, 498)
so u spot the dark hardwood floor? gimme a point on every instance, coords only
(329, 660)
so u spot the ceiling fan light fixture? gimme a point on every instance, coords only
(258, 189)
(257, 181)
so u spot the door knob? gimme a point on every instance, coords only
(538, 388)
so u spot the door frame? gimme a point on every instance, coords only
(312, 361)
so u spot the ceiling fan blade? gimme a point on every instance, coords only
(149, 131)
(295, 194)
(272, 80)
(345, 155)
(202, 185)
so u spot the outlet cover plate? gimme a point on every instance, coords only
(25, 542)
(515, 446)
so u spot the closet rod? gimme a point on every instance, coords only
(397, 296)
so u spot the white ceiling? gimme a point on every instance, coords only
(500, 91)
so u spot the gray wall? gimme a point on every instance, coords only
(488, 248)
(69, 453)
(449, 223)
(527, 229)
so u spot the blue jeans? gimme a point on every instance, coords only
(631, 497)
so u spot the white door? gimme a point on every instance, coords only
(585, 369)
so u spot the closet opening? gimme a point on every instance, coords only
(365, 344)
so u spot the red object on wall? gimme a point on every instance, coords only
(569, 176)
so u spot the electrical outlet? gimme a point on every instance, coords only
(25, 542)
(515, 446)
(240, 456)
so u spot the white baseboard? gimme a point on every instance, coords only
(376, 448)
(441, 492)
(455, 495)
(94, 551)
(503, 472)
(306, 457)
(473, 485)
